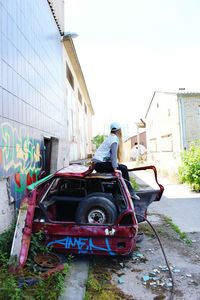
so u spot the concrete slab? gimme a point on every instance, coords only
(75, 281)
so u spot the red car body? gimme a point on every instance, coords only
(81, 212)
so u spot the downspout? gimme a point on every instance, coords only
(182, 123)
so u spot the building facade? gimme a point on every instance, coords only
(78, 103)
(130, 143)
(172, 123)
(36, 122)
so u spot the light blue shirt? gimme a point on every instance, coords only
(107, 151)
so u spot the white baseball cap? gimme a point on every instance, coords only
(115, 126)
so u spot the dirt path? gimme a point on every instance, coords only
(184, 260)
(130, 275)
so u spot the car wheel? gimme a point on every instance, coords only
(96, 210)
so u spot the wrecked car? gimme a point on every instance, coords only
(82, 212)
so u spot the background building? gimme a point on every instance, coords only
(40, 114)
(78, 103)
(130, 144)
(172, 123)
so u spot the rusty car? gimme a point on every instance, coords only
(82, 212)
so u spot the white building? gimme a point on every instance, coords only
(172, 123)
(43, 125)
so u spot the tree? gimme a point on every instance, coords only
(98, 140)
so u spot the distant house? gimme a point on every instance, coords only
(131, 142)
(172, 123)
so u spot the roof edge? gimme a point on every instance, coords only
(71, 51)
(157, 92)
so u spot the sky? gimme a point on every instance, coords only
(130, 48)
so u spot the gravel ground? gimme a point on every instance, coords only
(148, 261)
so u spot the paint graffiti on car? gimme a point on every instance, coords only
(84, 245)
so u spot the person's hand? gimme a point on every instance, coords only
(117, 171)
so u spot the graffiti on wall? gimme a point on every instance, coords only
(20, 157)
(83, 245)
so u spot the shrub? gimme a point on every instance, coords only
(98, 140)
(189, 170)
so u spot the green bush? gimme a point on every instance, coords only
(98, 140)
(46, 289)
(189, 171)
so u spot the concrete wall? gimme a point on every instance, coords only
(191, 118)
(172, 123)
(163, 132)
(127, 150)
(6, 205)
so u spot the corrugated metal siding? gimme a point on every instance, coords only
(31, 88)
(31, 66)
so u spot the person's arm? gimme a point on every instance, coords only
(113, 151)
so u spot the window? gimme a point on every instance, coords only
(69, 76)
(166, 143)
(85, 108)
(153, 145)
(79, 97)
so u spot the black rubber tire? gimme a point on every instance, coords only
(92, 203)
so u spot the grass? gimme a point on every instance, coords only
(134, 183)
(99, 285)
(46, 289)
(146, 229)
(143, 227)
(182, 235)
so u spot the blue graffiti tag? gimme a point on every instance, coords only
(84, 245)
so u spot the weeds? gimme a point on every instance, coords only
(5, 244)
(99, 285)
(146, 229)
(10, 289)
(37, 246)
(134, 183)
(181, 234)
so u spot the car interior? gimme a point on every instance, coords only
(63, 198)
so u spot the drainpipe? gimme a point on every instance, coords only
(182, 122)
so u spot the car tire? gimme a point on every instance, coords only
(96, 210)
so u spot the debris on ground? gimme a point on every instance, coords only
(138, 257)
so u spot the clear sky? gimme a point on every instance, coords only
(130, 48)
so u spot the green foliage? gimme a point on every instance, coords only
(134, 183)
(37, 246)
(189, 171)
(5, 244)
(99, 284)
(46, 289)
(93, 284)
(9, 289)
(181, 234)
(98, 140)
